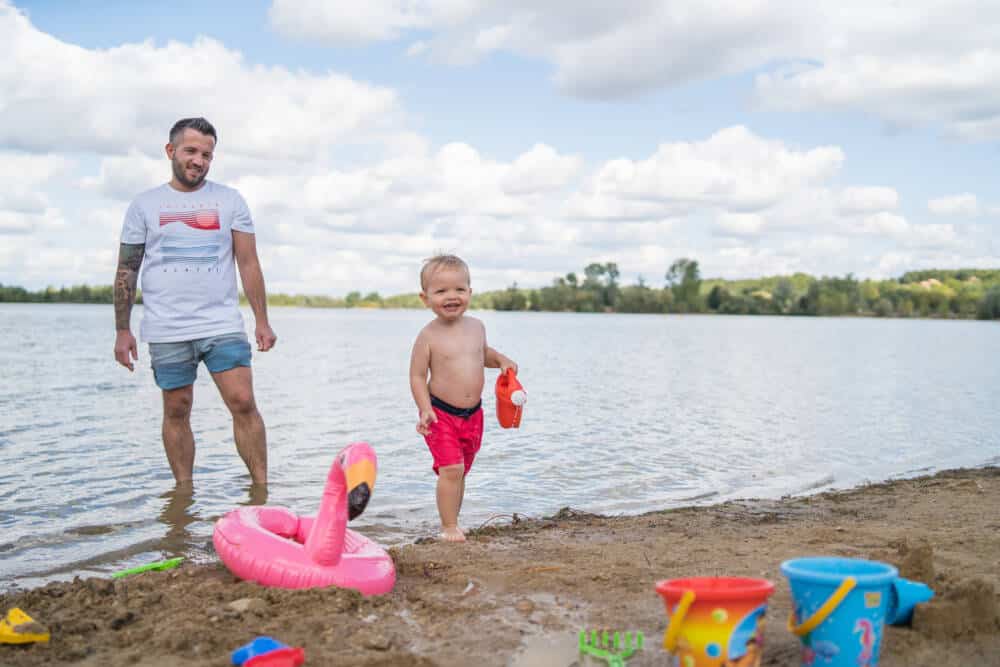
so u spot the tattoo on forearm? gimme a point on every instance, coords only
(126, 278)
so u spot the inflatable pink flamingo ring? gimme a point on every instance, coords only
(275, 547)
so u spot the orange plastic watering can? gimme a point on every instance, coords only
(511, 398)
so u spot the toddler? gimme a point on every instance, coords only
(452, 350)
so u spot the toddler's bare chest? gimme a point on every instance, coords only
(465, 351)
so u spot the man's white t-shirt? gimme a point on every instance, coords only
(188, 275)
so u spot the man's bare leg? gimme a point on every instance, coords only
(178, 440)
(450, 485)
(236, 387)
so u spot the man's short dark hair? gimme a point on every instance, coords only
(197, 124)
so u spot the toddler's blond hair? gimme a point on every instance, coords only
(434, 264)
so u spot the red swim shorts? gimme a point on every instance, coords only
(455, 439)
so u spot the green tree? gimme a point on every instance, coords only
(989, 307)
(534, 300)
(883, 308)
(611, 284)
(684, 279)
(592, 295)
(592, 274)
(869, 294)
(510, 299)
(639, 299)
(784, 294)
(716, 297)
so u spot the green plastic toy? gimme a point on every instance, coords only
(159, 565)
(615, 650)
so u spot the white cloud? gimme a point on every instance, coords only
(894, 263)
(927, 61)
(29, 223)
(123, 177)
(811, 210)
(910, 64)
(964, 204)
(540, 169)
(886, 224)
(932, 236)
(740, 224)
(905, 89)
(599, 49)
(618, 236)
(103, 225)
(24, 177)
(896, 227)
(59, 96)
(867, 199)
(740, 261)
(825, 245)
(349, 22)
(452, 184)
(734, 170)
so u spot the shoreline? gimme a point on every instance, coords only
(930, 317)
(518, 593)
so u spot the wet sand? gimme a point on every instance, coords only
(518, 591)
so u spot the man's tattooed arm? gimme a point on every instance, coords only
(126, 278)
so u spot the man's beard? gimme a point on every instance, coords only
(181, 176)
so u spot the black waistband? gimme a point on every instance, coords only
(464, 413)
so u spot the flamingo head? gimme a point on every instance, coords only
(359, 463)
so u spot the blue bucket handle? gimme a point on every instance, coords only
(825, 609)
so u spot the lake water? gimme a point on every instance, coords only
(626, 414)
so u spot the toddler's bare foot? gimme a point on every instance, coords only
(452, 534)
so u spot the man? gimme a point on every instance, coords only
(189, 231)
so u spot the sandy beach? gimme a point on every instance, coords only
(519, 590)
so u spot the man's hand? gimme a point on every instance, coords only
(125, 348)
(427, 418)
(265, 337)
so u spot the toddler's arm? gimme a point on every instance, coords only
(420, 362)
(496, 360)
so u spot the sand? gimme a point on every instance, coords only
(518, 591)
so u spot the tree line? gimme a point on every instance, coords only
(955, 293)
(75, 294)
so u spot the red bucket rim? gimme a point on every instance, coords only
(716, 588)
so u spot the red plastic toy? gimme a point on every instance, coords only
(282, 657)
(511, 398)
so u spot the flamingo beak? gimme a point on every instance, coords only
(360, 477)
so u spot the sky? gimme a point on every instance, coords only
(531, 138)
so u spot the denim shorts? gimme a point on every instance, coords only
(175, 365)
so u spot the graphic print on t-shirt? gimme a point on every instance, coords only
(206, 218)
(181, 246)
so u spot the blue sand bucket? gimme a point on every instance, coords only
(842, 605)
(905, 595)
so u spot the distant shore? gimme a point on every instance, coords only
(412, 302)
(935, 293)
(518, 593)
